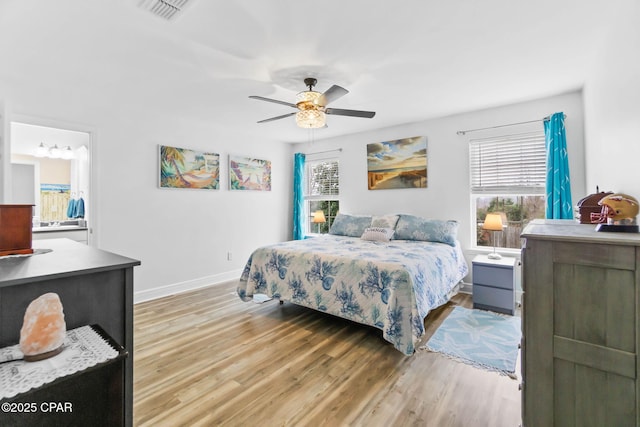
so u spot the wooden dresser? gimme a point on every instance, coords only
(580, 326)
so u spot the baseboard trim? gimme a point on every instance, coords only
(466, 288)
(190, 285)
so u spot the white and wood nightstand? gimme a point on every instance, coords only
(494, 284)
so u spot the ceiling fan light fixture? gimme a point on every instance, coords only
(312, 106)
(310, 115)
(307, 98)
(311, 119)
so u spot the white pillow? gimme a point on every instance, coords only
(384, 221)
(377, 234)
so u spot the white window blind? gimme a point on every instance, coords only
(323, 179)
(508, 164)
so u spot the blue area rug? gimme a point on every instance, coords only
(479, 338)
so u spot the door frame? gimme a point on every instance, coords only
(92, 236)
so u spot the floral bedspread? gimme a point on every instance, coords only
(391, 286)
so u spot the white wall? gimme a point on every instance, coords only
(5, 154)
(447, 195)
(182, 236)
(612, 108)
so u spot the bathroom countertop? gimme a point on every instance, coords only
(57, 228)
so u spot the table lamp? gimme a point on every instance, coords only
(493, 223)
(318, 218)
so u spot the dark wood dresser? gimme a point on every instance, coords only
(95, 287)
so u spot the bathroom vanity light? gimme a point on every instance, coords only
(54, 152)
(41, 151)
(67, 153)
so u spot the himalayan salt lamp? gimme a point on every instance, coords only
(43, 328)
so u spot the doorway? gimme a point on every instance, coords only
(50, 168)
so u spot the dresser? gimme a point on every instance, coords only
(95, 287)
(580, 325)
(494, 283)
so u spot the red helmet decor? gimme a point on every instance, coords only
(617, 209)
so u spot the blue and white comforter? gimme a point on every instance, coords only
(391, 286)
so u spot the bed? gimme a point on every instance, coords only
(360, 273)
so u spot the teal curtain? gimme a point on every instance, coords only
(559, 204)
(298, 196)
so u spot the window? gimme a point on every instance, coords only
(508, 176)
(323, 189)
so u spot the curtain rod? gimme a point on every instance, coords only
(463, 132)
(323, 152)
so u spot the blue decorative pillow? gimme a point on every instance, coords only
(349, 225)
(410, 227)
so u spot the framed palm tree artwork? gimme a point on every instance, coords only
(246, 173)
(185, 168)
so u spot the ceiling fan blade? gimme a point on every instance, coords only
(277, 117)
(262, 98)
(351, 113)
(331, 94)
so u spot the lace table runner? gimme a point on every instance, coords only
(83, 348)
(35, 252)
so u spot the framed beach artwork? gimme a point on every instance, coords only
(184, 168)
(246, 173)
(401, 163)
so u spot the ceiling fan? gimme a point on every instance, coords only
(312, 106)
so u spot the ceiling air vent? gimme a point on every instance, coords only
(165, 9)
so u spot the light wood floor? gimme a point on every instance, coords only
(206, 358)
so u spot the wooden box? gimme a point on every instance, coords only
(15, 229)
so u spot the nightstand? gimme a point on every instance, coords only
(494, 284)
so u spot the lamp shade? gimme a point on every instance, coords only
(67, 153)
(318, 217)
(42, 150)
(55, 152)
(492, 222)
